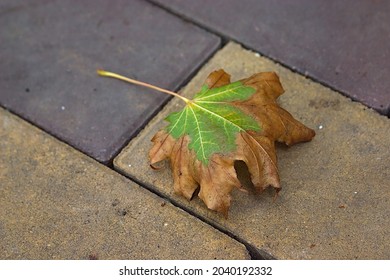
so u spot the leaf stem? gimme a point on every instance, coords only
(123, 78)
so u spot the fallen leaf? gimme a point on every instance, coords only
(224, 123)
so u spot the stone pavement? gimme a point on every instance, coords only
(335, 197)
(58, 203)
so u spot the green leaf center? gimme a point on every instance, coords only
(211, 122)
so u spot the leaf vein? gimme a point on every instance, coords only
(220, 92)
(200, 135)
(218, 116)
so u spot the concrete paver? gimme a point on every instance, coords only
(341, 43)
(56, 203)
(50, 51)
(335, 198)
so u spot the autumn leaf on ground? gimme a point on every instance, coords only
(225, 122)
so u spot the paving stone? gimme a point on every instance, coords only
(343, 44)
(57, 203)
(50, 51)
(335, 198)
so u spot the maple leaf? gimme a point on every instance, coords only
(224, 123)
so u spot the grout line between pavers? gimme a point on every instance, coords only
(47, 132)
(225, 38)
(383, 112)
(255, 253)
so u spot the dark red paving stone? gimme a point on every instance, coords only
(344, 44)
(50, 51)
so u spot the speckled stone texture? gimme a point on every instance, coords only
(57, 203)
(335, 198)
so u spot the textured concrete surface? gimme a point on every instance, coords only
(341, 43)
(335, 198)
(56, 203)
(50, 51)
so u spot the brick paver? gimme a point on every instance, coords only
(57, 203)
(334, 201)
(50, 51)
(344, 44)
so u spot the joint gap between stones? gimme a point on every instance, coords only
(383, 111)
(42, 129)
(190, 20)
(254, 252)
